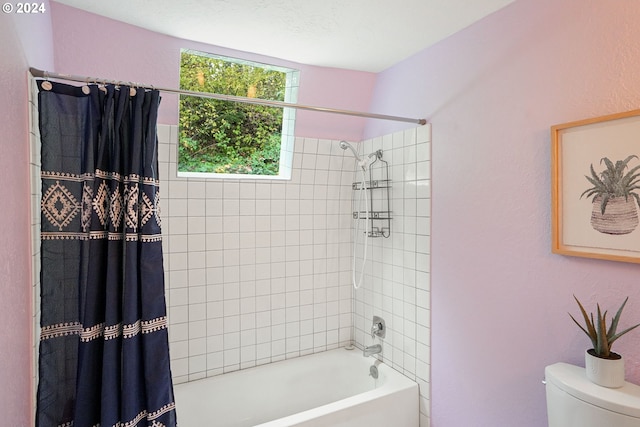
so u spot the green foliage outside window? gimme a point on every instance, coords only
(229, 137)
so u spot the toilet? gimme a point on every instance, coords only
(574, 401)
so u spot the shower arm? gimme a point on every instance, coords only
(365, 162)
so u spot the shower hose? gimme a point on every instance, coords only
(363, 189)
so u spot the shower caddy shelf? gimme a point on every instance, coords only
(378, 186)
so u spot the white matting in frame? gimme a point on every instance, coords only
(594, 166)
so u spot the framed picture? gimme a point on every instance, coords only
(596, 187)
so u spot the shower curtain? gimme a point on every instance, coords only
(104, 356)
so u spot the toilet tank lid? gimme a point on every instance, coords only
(573, 380)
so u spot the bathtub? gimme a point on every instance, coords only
(332, 388)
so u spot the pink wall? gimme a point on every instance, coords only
(24, 40)
(499, 297)
(90, 45)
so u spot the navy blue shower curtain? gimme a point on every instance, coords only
(104, 356)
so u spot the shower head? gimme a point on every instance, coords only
(344, 145)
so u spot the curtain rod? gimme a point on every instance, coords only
(47, 75)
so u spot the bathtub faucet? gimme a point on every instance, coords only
(372, 349)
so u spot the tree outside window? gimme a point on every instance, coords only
(225, 137)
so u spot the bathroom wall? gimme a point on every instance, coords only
(14, 260)
(24, 41)
(90, 45)
(500, 297)
(397, 284)
(257, 270)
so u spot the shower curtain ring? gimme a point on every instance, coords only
(86, 89)
(101, 85)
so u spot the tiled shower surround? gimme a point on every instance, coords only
(397, 280)
(260, 270)
(257, 270)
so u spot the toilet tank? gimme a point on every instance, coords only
(574, 401)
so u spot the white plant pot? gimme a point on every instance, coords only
(604, 372)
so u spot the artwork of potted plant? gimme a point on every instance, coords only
(603, 367)
(614, 198)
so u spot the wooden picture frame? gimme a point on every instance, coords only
(587, 158)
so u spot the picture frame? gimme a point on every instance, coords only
(595, 194)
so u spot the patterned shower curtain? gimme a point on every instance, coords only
(104, 356)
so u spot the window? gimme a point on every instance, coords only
(219, 138)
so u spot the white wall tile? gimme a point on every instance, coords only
(396, 277)
(260, 271)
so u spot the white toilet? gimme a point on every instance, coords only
(574, 401)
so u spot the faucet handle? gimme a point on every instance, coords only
(378, 327)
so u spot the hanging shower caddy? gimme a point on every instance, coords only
(378, 186)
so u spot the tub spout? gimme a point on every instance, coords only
(372, 349)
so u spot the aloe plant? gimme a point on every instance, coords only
(601, 337)
(613, 182)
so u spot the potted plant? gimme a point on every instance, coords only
(603, 366)
(614, 200)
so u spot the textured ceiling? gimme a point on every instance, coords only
(364, 35)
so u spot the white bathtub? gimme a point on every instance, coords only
(332, 388)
